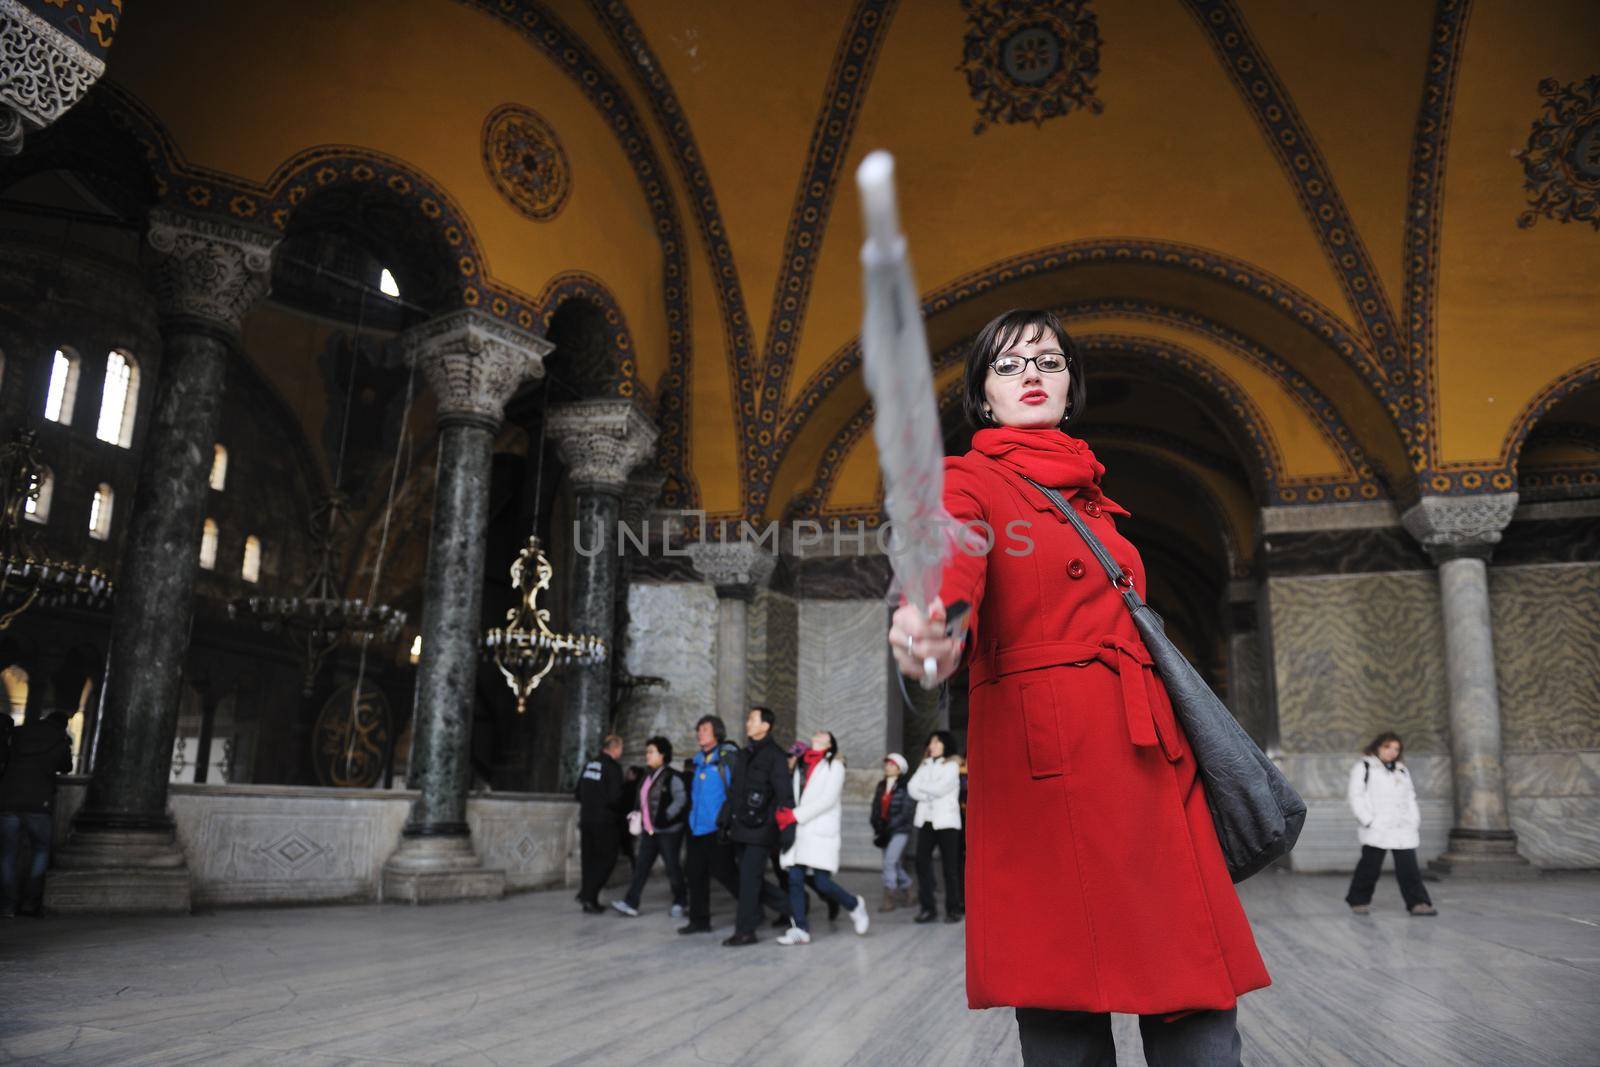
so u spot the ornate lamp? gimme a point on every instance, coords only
(525, 648)
(319, 618)
(28, 578)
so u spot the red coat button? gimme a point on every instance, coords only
(1092, 509)
(1075, 569)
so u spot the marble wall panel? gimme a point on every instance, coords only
(1547, 655)
(1353, 655)
(844, 682)
(255, 844)
(279, 847)
(1558, 831)
(1328, 840)
(773, 655)
(535, 843)
(672, 633)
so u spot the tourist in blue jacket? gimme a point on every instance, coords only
(707, 853)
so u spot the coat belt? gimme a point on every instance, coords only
(1128, 658)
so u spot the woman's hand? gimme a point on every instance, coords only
(915, 637)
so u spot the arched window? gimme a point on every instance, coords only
(58, 399)
(100, 513)
(251, 571)
(37, 506)
(208, 545)
(387, 285)
(15, 680)
(119, 399)
(219, 468)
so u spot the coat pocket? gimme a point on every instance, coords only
(1042, 728)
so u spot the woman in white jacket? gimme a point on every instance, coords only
(936, 787)
(817, 819)
(1385, 804)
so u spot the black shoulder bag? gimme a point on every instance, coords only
(1257, 812)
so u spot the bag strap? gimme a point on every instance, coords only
(1121, 582)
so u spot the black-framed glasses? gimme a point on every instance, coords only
(1046, 362)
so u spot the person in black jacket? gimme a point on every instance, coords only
(601, 806)
(760, 786)
(893, 813)
(661, 807)
(40, 750)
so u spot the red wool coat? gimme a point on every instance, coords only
(1094, 880)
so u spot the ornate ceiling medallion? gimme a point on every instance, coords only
(1027, 61)
(1561, 165)
(525, 161)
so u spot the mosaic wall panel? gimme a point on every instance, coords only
(773, 655)
(1547, 655)
(1354, 655)
(671, 635)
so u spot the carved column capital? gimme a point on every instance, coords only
(207, 269)
(43, 74)
(1455, 527)
(601, 441)
(474, 363)
(736, 568)
(641, 494)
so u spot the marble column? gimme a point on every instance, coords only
(473, 364)
(601, 442)
(122, 854)
(737, 570)
(1460, 533)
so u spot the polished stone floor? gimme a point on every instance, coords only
(1506, 975)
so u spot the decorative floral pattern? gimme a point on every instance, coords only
(1028, 61)
(1561, 164)
(526, 162)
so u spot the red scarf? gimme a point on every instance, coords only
(1050, 457)
(809, 759)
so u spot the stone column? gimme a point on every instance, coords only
(473, 363)
(122, 854)
(737, 570)
(1460, 534)
(601, 442)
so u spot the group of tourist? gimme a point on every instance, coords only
(734, 813)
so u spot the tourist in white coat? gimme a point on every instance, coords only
(817, 820)
(936, 787)
(1385, 805)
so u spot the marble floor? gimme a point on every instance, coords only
(1506, 975)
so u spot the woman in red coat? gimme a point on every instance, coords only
(1095, 883)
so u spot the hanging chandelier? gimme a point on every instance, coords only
(319, 619)
(525, 648)
(28, 578)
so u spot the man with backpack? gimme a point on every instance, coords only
(761, 785)
(710, 776)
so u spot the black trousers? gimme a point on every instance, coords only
(706, 856)
(645, 851)
(949, 844)
(1406, 872)
(754, 890)
(598, 844)
(1083, 1039)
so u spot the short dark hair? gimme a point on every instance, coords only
(1381, 740)
(765, 713)
(661, 745)
(717, 727)
(948, 739)
(1003, 331)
